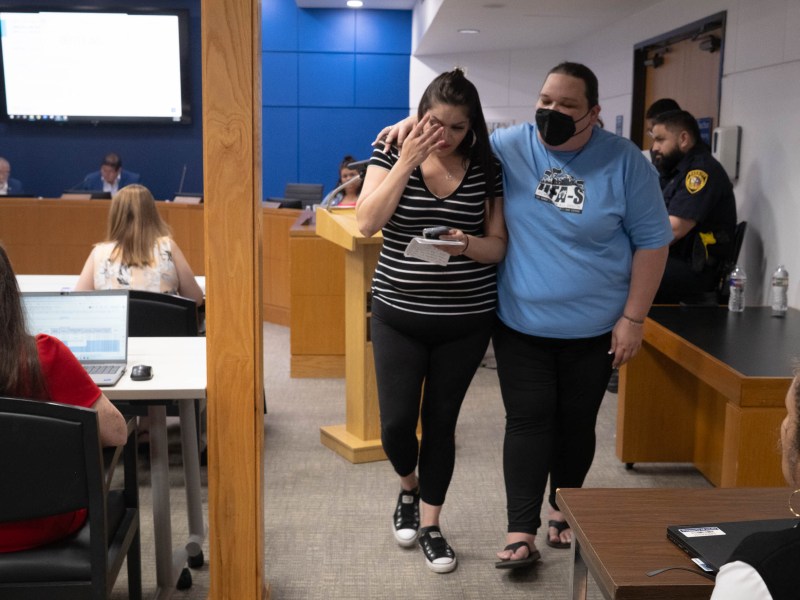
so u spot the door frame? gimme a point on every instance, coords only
(640, 51)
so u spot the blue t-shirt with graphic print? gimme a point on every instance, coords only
(574, 221)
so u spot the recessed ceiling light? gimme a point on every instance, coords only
(355, 3)
(469, 31)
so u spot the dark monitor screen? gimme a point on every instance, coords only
(89, 194)
(290, 203)
(54, 65)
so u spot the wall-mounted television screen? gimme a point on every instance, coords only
(94, 66)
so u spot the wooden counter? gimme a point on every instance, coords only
(708, 387)
(317, 301)
(54, 237)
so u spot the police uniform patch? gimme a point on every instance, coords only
(696, 180)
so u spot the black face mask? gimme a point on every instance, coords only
(555, 127)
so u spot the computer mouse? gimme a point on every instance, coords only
(141, 372)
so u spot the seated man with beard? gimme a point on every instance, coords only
(701, 207)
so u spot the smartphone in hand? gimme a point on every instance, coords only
(434, 233)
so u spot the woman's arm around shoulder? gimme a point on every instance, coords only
(187, 284)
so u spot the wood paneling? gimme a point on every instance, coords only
(54, 237)
(233, 229)
(317, 305)
(277, 223)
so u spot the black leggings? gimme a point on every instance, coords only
(443, 352)
(552, 390)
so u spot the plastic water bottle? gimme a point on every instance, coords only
(780, 288)
(738, 280)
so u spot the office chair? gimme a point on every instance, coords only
(153, 314)
(726, 265)
(307, 193)
(51, 462)
(299, 195)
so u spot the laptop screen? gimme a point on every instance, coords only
(93, 325)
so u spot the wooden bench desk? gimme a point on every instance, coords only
(708, 387)
(621, 535)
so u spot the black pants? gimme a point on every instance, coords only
(439, 354)
(552, 390)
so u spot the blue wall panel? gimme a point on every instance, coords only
(347, 131)
(381, 80)
(351, 80)
(326, 79)
(326, 30)
(383, 31)
(279, 25)
(279, 156)
(279, 78)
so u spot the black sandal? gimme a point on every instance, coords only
(559, 526)
(519, 563)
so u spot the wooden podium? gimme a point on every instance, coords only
(359, 439)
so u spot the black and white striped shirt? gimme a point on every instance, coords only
(463, 286)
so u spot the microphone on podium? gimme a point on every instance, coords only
(183, 178)
(359, 165)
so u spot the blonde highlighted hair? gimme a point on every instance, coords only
(134, 225)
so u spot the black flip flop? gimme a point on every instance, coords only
(533, 556)
(559, 526)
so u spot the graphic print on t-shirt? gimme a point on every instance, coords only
(562, 190)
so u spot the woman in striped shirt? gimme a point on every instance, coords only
(431, 321)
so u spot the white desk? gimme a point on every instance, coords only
(179, 373)
(57, 283)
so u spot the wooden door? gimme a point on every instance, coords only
(689, 73)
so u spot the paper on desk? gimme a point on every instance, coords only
(425, 249)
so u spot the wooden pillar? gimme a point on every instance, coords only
(231, 41)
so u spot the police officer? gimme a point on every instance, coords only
(701, 207)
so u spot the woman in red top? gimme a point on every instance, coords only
(43, 368)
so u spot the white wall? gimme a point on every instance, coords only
(761, 83)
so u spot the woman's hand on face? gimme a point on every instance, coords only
(395, 134)
(422, 140)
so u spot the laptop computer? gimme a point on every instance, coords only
(93, 325)
(713, 543)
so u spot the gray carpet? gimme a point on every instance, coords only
(328, 521)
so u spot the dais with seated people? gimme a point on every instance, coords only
(110, 178)
(8, 185)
